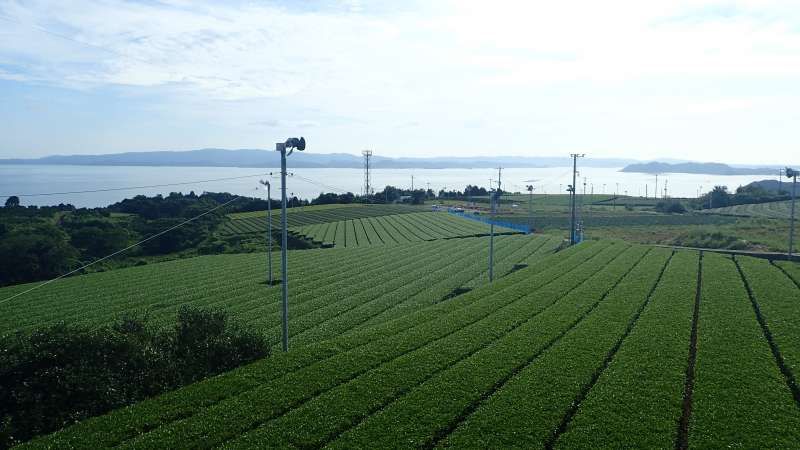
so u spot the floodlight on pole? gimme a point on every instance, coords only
(291, 144)
(269, 230)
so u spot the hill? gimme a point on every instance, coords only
(772, 186)
(697, 168)
(212, 157)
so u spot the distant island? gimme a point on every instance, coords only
(213, 157)
(698, 168)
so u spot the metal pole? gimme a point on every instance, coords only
(491, 239)
(572, 222)
(791, 221)
(530, 209)
(284, 244)
(269, 222)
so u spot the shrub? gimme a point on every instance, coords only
(64, 373)
(670, 207)
(713, 239)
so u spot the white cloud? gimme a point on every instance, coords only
(467, 69)
(248, 51)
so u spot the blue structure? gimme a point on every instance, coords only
(487, 220)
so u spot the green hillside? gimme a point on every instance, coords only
(592, 346)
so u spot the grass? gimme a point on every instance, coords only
(742, 233)
(769, 210)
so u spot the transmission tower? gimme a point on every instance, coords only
(367, 155)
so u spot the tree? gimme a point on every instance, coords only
(417, 197)
(99, 241)
(12, 202)
(719, 197)
(35, 253)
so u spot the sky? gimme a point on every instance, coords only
(683, 79)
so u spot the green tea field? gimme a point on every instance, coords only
(602, 345)
(256, 221)
(393, 229)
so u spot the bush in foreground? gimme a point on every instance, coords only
(61, 374)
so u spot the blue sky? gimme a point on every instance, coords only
(684, 79)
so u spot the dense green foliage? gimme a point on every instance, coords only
(34, 252)
(59, 374)
(44, 242)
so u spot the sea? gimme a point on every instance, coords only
(96, 186)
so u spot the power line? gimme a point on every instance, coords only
(138, 187)
(322, 185)
(121, 251)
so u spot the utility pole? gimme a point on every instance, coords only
(575, 156)
(780, 180)
(499, 173)
(530, 207)
(412, 183)
(491, 237)
(791, 173)
(299, 144)
(495, 200)
(666, 182)
(655, 191)
(367, 155)
(269, 230)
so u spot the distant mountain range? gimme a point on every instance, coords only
(698, 168)
(212, 157)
